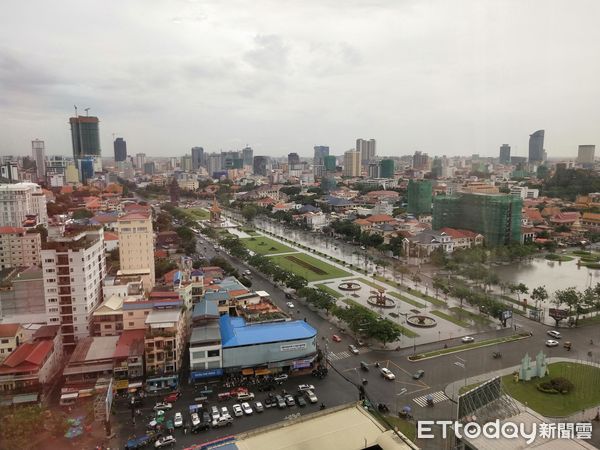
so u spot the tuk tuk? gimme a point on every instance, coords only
(567, 345)
(170, 426)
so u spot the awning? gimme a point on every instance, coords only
(121, 384)
(69, 395)
(25, 398)
(247, 371)
(262, 372)
(135, 385)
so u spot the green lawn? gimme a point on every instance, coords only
(195, 213)
(450, 318)
(461, 314)
(370, 283)
(428, 298)
(405, 331)
(561, 258)
(332, 292)
(473, 345)
(467, 388)
(308, 267)
(265, 246)
(585, 395)
(410, 301)
(406, 427)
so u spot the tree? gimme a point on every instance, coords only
(384, 331)
(249, 212)
(402, 270)
(438, 257)
(519, 289)
(416, 279)
(539, 294)
(82, 214)
(572, 298)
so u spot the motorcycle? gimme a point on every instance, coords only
(496, 355)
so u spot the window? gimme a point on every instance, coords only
(130, 313)
(131, 324)
(199, 355)
(213, 353)
(5, 341)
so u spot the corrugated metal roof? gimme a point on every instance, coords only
(235, 332)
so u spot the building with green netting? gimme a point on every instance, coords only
(419, 196)
(496, 216)
(329, 162)
(386, 168)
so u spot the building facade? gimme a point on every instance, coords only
(136, 244)
(352, 163)
(419, 196)
(197, 157)
(585, 154)
(120, 147)
(260, 165)
(20, 200)
(38, 151)
(536, 147)
(18, 248)
(367, 149)
(504, 154)
(85, 136)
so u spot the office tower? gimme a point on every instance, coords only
(367, 150)
(496, 216)
(85, 167)
(293, 160)
(585, 154)
(149, 168)
(232, 160)
(330, 163)
(120, 149)
(9, 170)
(197, 158)
(373, 170)
(136, 245)
(214, 163)
(386, 168)
(247, 156)
(437, 167)
(420, 161)
(536, 147)
(351, 163)
(260, 165)
(74, 266)
(321, 151)
(140, 159)
(20, 202)
(85, 136)
(419, 195)
(39, 156)
(18, 248)
(185, 163)
(504, 154)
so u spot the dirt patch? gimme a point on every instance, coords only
(306, 265)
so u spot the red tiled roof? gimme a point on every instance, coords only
(11, 230)
(160, 253)
(458, 233)
(28, 356)
(46, 332)
(9, 329)
(108, 236)
(236, 292)
(129, 339)
(362, 222)
(534, 215)
(104, 218)
(138, 215)
(169, 276)
(163, 294)
(380, 218)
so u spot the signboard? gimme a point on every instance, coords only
(208, 373)
(109, 399)
(292, 347)
(302, 363)
(506, 315)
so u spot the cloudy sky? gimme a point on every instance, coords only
(444, 77)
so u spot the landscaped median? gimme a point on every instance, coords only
(462, 348)
(323, 287)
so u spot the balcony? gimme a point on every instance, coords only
(160, 333)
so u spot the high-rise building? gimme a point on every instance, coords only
(18, 248)
(136, 246)
(149, 168)
(22, 203)
(585, 154)
(293, 160)
(321, 151)
(85, 136)
(330, 163)
(351, 163)
(247, 156)
(260, 165)
(39, 156)
(74, 266)
(367, 150)
(386, 168)
(420, 161)
(496, 216)
(85, 168)
(373, 169)
(186, 163)
(9, 170)
(214, 163)
(536, 147)
(197, 158)
(232, 160)
(504, 154)
(419, 194)
(120, 147)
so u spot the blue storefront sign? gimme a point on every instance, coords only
(208, 373)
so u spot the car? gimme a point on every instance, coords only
(258, 407)
(290, 305)
(551, 343)
(178, 420)
(162, 406)
(289, 296)
(280, 401)
(237, 410)
(300, 400)
(206, 417)
(306, 387)
(553, 333)
(203, 426)
(387, 373)
(164, 441)
(468, 339)
(242, 396)
(281, 377)
(247, 408)
(247, 272)
(195, 419)
(269, 402)
(311, 396)
(214, 414)
(222, 421)
(353, 349)
(172, 397)
(224, 411)
(362, 247)
(336, 338)
(360, 342)
(289, 400)
(418, 374)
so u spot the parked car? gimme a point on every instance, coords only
(258, 407)
(162, 406)
(224, 411)
(172, 397)
(280, 402)
(551, 343)
(289, 400)
(300, 400)
(247, 408)
(206, 417)
(247, 272)
(290, 305)
(195, 419)
(237, 410)
(306, 387)
(281, 377)
(243, 396)
(311, 396)
(203, 426)
(353, 349)
(336, 338)
(269, 402)
(222, 421)
(468, 339)
(418, 374)
(215, 414)
(387, 373)
(165, 441)
(553, 333)
(178, 420)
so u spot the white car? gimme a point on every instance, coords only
(387, 374)
(468, 339)
(215, 414)
(247, 272)
(553, 333)
(290, 305)
(551, 343)
(195, 419)
(178, 420)
(306, 387)
(247, 408)
(237, 410)
(163, 406)
(311, 396)
(353, 349)
(225, 411)
(164, 441)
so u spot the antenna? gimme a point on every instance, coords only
(75, 106)
(87, 111)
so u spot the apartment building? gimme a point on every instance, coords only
(18, 248)
(11, 336)
(22, 296)
(73, 267)
(20, 202)
(165, 341)
(136, 245)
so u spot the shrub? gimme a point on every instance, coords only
(558, 385)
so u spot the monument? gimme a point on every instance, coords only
(527, 371)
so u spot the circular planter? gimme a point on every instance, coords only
(421, 321)
(349, 286)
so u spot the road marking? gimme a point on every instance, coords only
(459, 364)
(438, 397)
(402, 391)
(337, 356)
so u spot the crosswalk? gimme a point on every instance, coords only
(337, 356)
(438, 397)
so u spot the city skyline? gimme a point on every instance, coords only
(478, 76)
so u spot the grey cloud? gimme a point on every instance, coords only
(269, 53)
